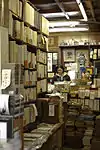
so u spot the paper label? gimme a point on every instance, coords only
(51, 110)
(6, 78)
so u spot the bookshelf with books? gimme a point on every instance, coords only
(28, 36)
(28, 45)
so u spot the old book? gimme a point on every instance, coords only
(30, 36)
(38, 87)
(26, 77)
(29, 60)
(32, 16)
(11, 51)
(34, 38)
(25, 56)
(44, 85)
(33, 58)
(27, 13)
(45, 26)
(17, 7)
(10, 24)
(20, 9)
(34, 93)
(27, 115)
(21, 54)
(17, 29)
(22, 31)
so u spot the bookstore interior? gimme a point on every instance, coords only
(49, 75)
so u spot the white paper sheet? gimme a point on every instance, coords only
(51, 110)
(6, 78)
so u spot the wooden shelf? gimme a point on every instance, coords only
(94, 59)
(42, 49)
(41, 63)
(21, 42)
(29, 127)
(30, 69)
(79, 46)
(31, 27)
(31, 5)
(17, 115)
(30, 86)
(30, 102)
(30, 45)
(16, 16)
(39, 79)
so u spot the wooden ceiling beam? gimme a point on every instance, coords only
(61, 6)
(45, 4)
(89, 4)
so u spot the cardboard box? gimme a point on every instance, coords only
(95, 145)
(48, 112)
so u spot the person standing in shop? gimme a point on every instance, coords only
(60, 76)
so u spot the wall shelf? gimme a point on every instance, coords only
(79, 46)
(30, 69)
(30, 86)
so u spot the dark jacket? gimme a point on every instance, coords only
(60, 78)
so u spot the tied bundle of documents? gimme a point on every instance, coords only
(87, 138)
(11, 104)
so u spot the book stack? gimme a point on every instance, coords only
(95, 143)
(87, 138)
(74, 128)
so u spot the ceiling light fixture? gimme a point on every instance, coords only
(67, 29)
(60, 14)
(82, 9)
(63, 23)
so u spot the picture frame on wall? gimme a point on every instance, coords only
(85, 53)
(69, 55)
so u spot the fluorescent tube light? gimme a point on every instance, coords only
(63, 23)
(82, 9)
(67, 29)
(60, 14)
